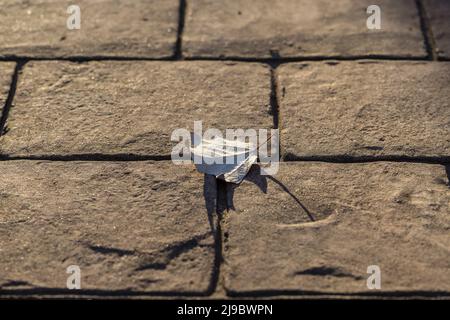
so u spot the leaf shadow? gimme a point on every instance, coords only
(261, 181)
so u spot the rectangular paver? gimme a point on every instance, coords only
(111, 107)
(300, 28)
(317, 227)
(365, 109)
(438, 12)
(6, 72)
(139, 28)
(135, 226)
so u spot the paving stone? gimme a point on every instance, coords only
(305, 28)
(135, 226)
(141, 28)
(6, 72)
(439, 14)
(365, 109)
(64, 108)
(364, 214)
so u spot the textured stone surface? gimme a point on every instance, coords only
(140, 28)
(394, 215)
(293, 28)
(6, 72)
(365, 108)
(439, 14)
(64, 108)
(136, 226)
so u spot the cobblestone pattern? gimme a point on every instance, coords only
(85, 171)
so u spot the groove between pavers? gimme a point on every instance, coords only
(271, 61)
(438, 17)
(289, 159)
(135, 158)
(8, 72)
(10, 98)
(181, 20)
(427, 31)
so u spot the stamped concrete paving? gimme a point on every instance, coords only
(64, 108)
(6, 72)
(439, 15)
(293, 28)
(135, 226)
(365, 108)
(364, 214)
(147, 228)
(139, 28)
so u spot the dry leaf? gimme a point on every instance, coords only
(226, 159)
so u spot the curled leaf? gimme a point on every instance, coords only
(229, 160)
